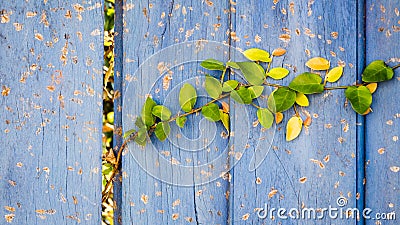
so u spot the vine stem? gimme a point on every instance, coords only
(105, 193)
(295, 110)
(223, 75)
(117, 163)
(396, 66)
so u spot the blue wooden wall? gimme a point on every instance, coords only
(50, 112)
(336, 157)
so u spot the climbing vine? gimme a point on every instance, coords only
(155, 118)
(258, 73)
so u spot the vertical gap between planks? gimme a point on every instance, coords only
(118, 81)
(230, 187)
(360, 143)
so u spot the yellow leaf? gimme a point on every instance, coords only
(318, 63)
(256, 54)
(279, 52)
(372, 87)
(225, 120)
(293, 128)
(334, 74)
(278, 117)
(301, 99)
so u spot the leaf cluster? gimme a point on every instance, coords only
(257, 73)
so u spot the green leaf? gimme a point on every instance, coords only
(377, 71)
(213, 87)
(187, 97)
(162, 112)
(211, 112)
(229, 85)
(278, 73)
(212, 64)
(242, 95)
(162, 130)
(129, 132)
(359, 97)
(139, 122)
(252, 72)
(265, 117)
(180, 121)
(147, 115)
(281, 99)
(307, 83)
(232, 65)
(256, 91)
(141, 136)
(225, 119)
(256, 54)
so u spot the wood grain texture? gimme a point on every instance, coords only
(383, 125)
(50, 116)
(150, 26)
(320, 166)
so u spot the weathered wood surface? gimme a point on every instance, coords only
(51, 110)
(312, 171)
(148, 28)
(383, 125)
(316, 169)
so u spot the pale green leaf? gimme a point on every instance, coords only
(233, 65)
(213, 87)
(229, 85)
(129, 132)
(180, 121)
(187, 97)
(242, 95)
(147, 115)
(162, 130)
(307, 83)
(252, 72)
(213, 64)
(256, 91)
(162, 112)
(211, 112)
(141, 137)
(265, 117)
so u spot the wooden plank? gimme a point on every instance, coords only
(148, 28)
(324, 156)
(50, 116)
(383, 125)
